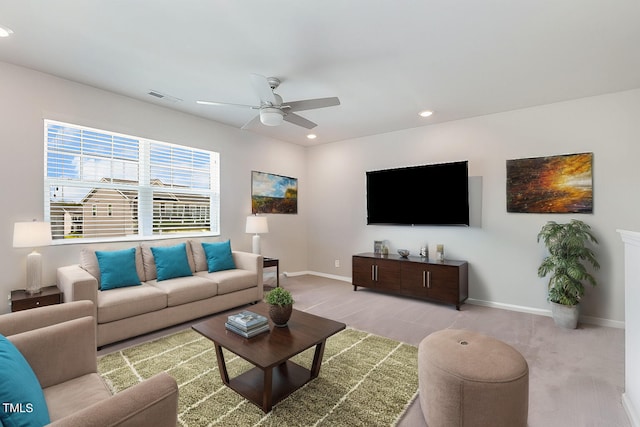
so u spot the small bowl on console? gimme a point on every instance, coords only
(403, 253)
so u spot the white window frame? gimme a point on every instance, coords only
(146, 185)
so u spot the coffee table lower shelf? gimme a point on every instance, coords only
(285, 379)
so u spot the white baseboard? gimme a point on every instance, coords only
(632, 413)
(330, 276)
(541, 312)
(512, 307)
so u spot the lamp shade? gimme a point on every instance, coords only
(257, 224)
(31, 234)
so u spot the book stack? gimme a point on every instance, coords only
(247, 323)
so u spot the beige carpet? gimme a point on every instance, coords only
(365, 380)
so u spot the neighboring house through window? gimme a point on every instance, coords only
(101, 184)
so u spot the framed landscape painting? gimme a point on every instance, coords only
(554, 184)
(273, 193)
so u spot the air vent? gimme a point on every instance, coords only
(163, 96)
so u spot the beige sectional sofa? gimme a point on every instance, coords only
(127, 312)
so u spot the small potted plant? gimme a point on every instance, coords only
(565, 263)
(280, 306)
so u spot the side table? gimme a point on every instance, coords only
(272, 262)
(21, 300)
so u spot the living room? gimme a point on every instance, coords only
(330, 225)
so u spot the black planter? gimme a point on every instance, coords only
(280, 314)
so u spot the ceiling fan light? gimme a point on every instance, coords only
(271, 116)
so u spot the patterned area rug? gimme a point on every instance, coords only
(365, 380)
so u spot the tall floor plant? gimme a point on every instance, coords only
(567, 261)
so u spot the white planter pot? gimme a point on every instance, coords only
(565, 316)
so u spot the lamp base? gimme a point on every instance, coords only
(255, 248)
(34, 273)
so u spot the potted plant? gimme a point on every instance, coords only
(568, 253)
(280, 306)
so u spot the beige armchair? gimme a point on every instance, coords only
(59, 342)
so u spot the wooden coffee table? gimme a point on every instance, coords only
(274, 376)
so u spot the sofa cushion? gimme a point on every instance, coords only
(19, 387)
(149, 262)
(74, 395)
(171, 261)
(121, 303)
(117, 269)
(89, 263)
(231, 280)
(219, 256)
(199, 257)
(182, 290)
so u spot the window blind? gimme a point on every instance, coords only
(104, 185)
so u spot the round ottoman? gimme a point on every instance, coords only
(469, 379)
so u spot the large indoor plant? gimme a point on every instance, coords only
(280, 306)
(568, 254)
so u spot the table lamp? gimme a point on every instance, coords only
(32, 235)
(257, 225)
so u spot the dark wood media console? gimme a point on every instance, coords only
(446, 282)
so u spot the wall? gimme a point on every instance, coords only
(28, 97)
(500, 247)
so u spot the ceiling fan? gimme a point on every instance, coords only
(273, 111)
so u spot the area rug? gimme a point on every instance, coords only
(365, 380)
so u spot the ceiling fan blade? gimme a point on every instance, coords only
(312, 104)
(226, 104)
(251, 123)
(263, 89)
(299, 120)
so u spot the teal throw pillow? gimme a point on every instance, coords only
(117, 269)
(219, 256)
(171, 261)
(21, 396)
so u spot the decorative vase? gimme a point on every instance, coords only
(280, 314)
(565, 316)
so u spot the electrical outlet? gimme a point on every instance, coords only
(337, 263)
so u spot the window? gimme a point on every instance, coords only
(104, 185)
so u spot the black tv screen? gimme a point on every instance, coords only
(436, 194)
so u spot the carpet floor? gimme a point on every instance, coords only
(365, 380)
(576, 377)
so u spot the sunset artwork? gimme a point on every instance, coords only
(555, 184)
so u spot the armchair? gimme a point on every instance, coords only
(59, 343)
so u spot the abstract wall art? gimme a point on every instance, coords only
(275, 194)
(554, 184)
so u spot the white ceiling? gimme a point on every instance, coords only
(385, 60)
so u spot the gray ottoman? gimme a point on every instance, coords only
(469, 379)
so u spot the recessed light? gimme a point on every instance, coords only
(425, 113)
(312, 136)
(5, 32)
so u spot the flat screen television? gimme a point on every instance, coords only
(436, 194)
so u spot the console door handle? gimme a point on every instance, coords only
(373, 273)
(424, 278)
(429, 279)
